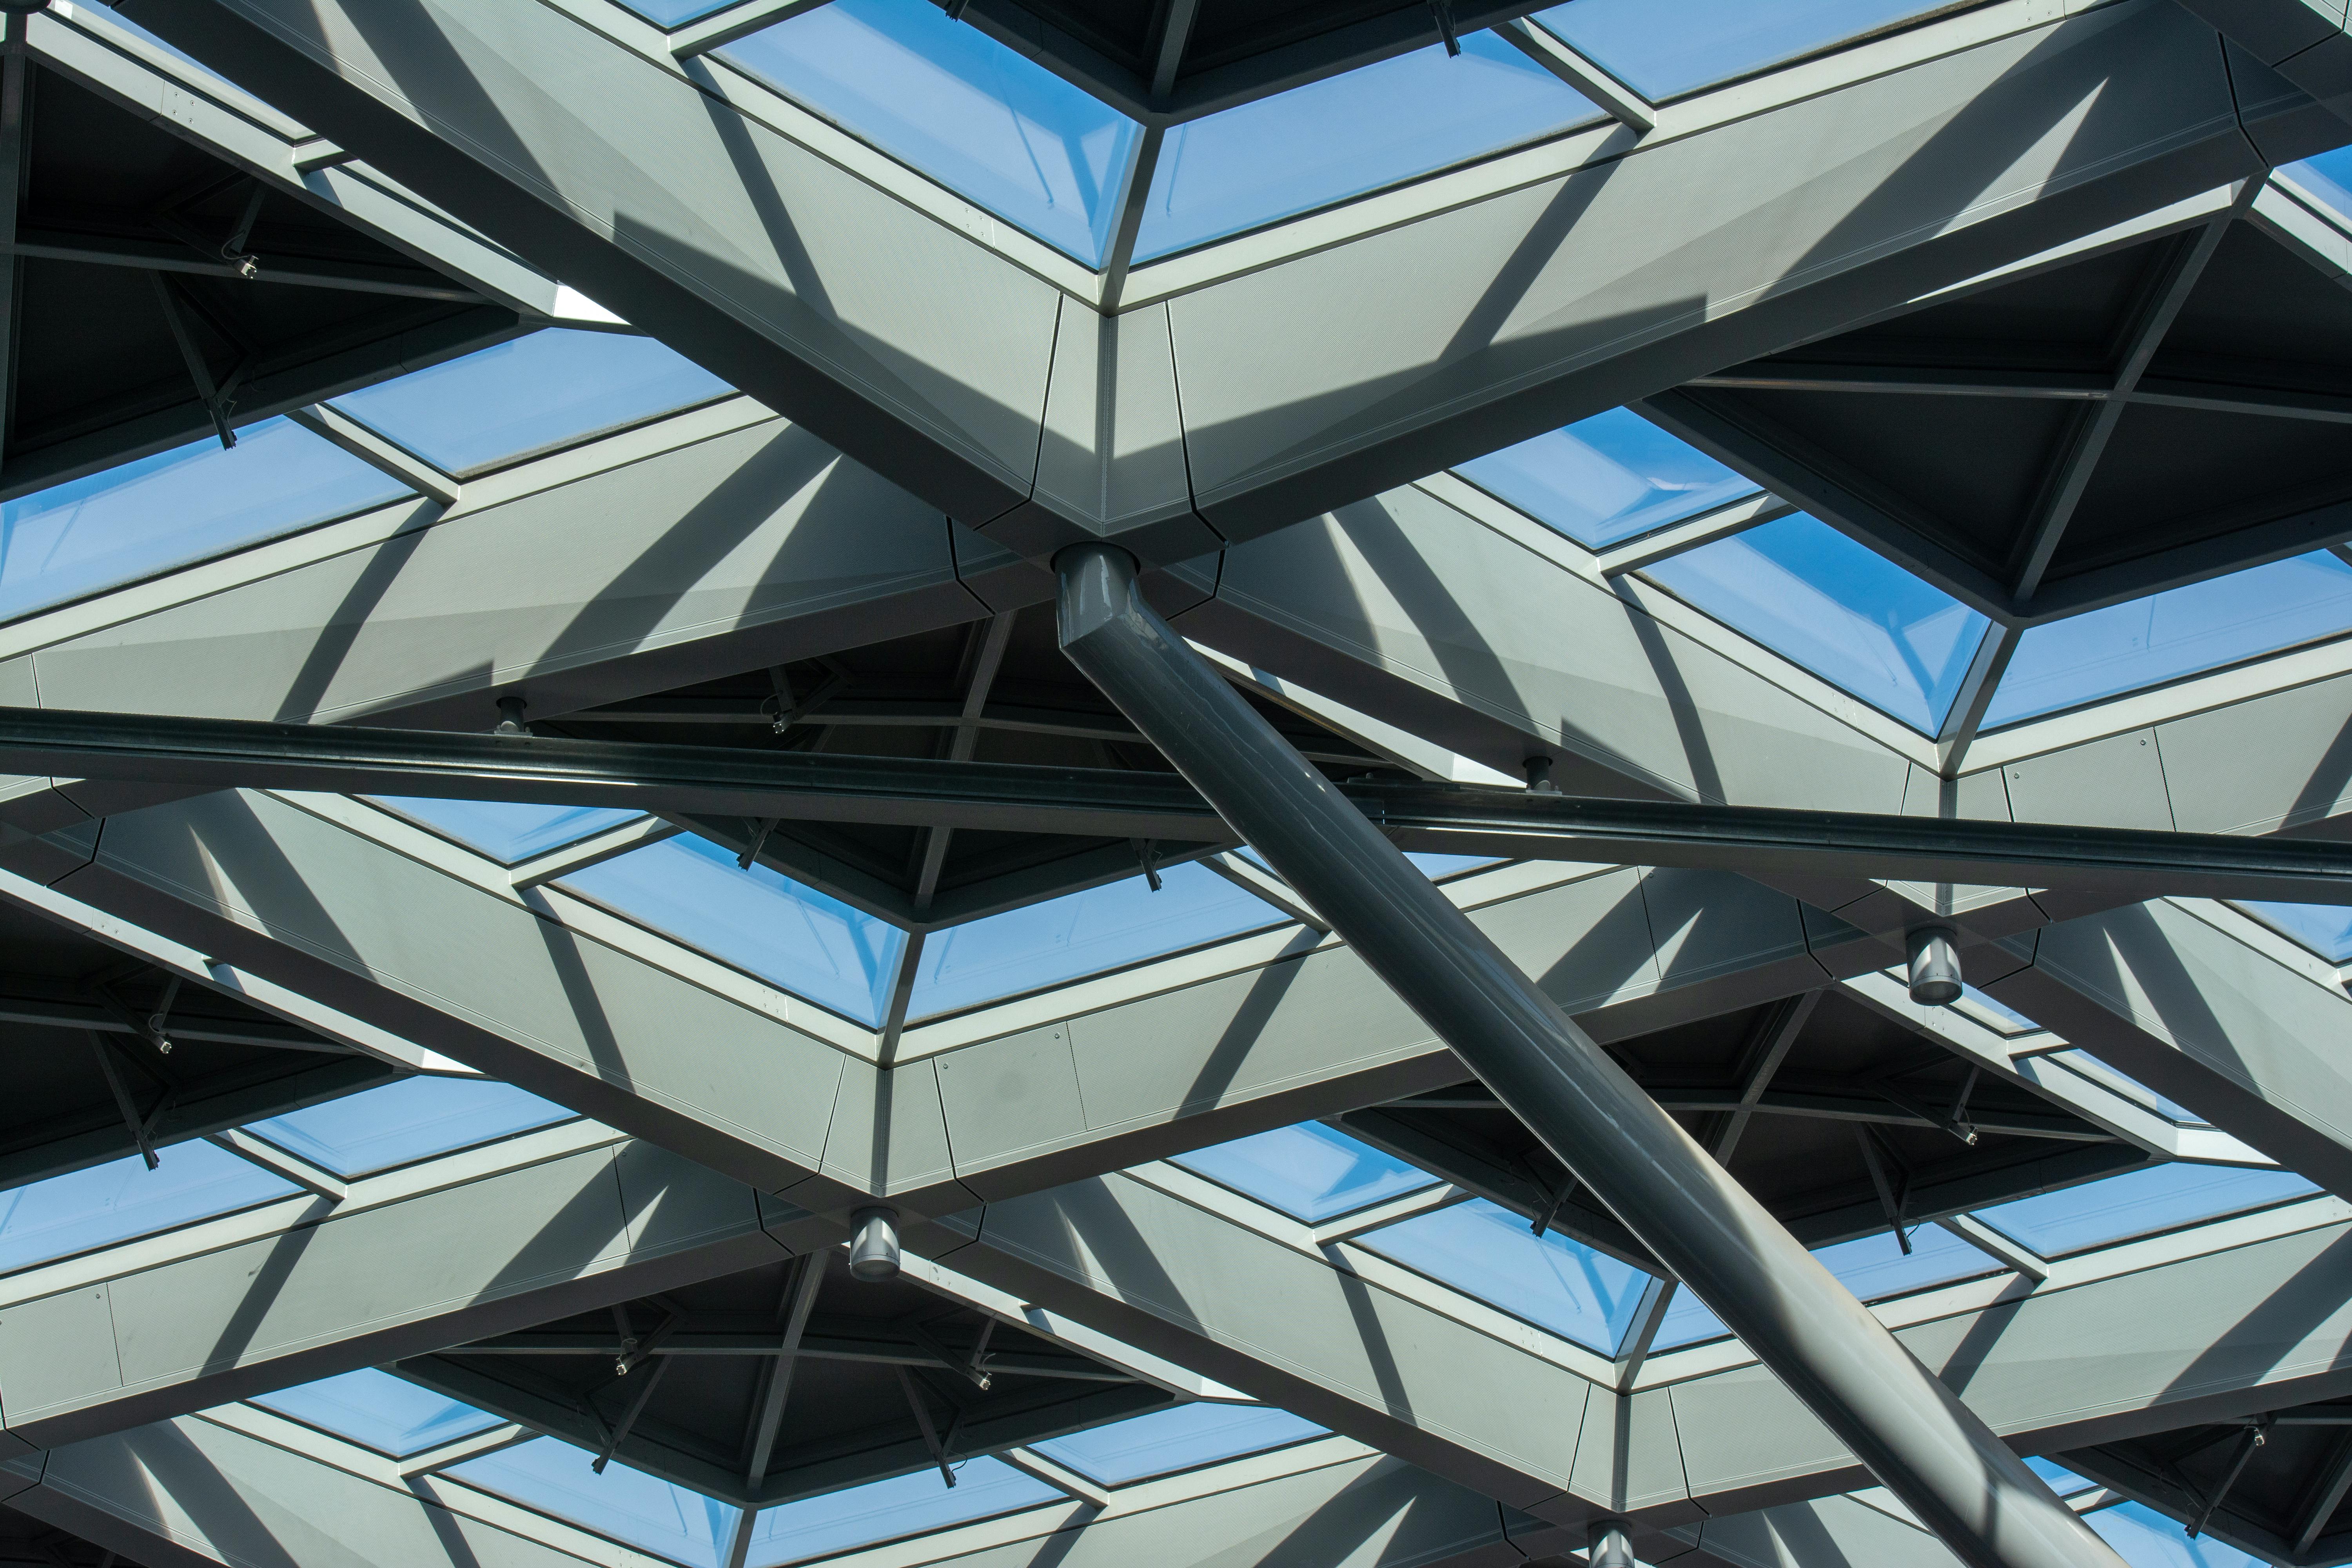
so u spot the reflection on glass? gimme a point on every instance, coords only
(629, 1506)
(1185, 1438)
(1851, 616)
(1688, 1321)
(1876, 1268)
(2177, 633)
(972, 114)
(1666, 48)
(553, 387)
(1486, 1251)
(2326, 929)
(506, 832)
(675, 13)
(123, 1199)
(1606, 479)
(2148, 1540)
(816, 946)
(388, 1413)
(175, 508)
(1309, 1172)
(2061, 1480)
(886, 1510)
(1079, 934)
(2084, 1065)
(402, 1122)
(2328, 177)
(1374, 126)
(2139, 1203)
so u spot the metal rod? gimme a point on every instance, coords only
(1908, 1429)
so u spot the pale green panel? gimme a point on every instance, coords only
(889, 1136)
(2264, 763)
(1011, 1098)
(2118, 782)
(57, 1351)
(1629, 1456)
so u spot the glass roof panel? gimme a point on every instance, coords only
(2139, 1203)
(1688, 1321)
(1486, 1251)
(2084, 1065)
(379, 1411)
(2326, 929)
(176, 508)
(675, 13)
(1876, 1268)
(811, 944)
(554, 387)
(1663, 48)
(2328, 177)
(399, 1123)
(1362, 130)
(629, 1506)
(1844, 612)
(2060, 1480)
(887, 1510)
(1998, 1014)
(1309, 1172)
(1184, 1439)
(2179, 632)
(504, 831)
(1606, 479)
(2146, 1538)
(961, 107)
(123, 1199)
(1080, 934)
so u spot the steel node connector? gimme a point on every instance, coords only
(1935, 967)
(874, 1245)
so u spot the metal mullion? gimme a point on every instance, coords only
(1974, 699)
(332, 423)
(2008, 1254)
(317, 1179)
(1614, 97)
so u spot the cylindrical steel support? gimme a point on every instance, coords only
(1911, 1432)
(1935, 967)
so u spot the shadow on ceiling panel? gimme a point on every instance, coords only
(2261, 313)
(2067, 318)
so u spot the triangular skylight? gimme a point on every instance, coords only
(1606, 479)
(1663, 48)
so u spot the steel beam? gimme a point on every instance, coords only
(1912, 1432)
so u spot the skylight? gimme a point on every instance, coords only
(123, 1199)
(1688, 1321)
(379, 1411)
(1309, 1172)
(1484, 1250)
(2328, 177)
(1847, 613)
(400, 1123)
(1323, 142)
(2083, 1064)
(550, 389)
(2139, 1203)
(2148, 1540)
(1606, 479)
(1081, 933)
(887, 1510)
(506, 832)
(951, 101)
(1663, 48)
(2179, 632)
(807, 942)
(2326, 929)
(1163, 1442)
(2060, 1480)
(1874, 1267)
(175, 508)
(675, 13)
(627, 1505)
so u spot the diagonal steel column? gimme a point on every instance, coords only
(1911, 1431)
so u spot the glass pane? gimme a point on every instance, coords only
(811, 945)
(553, 387)
(1688, 1321)
(1184, 1439)
(1486, 1251)
(2138, 1202)
(2148, 1540)
(885, 1510)
(2001, 1017)
(123, 1199)
(184, 505)
(1309, 1172)
(2179, 632)
(1665, 48)
(675, 13)
(1851, 616)
(1606, 479)
(2083, 1064)
(2063, 1481)
(629, 1506)
(504, 832)
(1079, 934)
(1874, 1267)
(1374, 126)
(2328, 177)
(947, 98)
(1437, 868)
(388, 1413)
(402, 1122)
(2326, 929)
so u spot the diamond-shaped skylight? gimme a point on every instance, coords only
(2179, 632)
(175, 508)
(399, 1123)
(2148, 1540)
(1606, 479)
(379, 1411)
(1162, 1442)
(2083, 1064)
(676, 13)
(2328, 177)
(547, 390)
(2326, 929)
(504, 831)
(1323, 142)
(2139, 1203)
(123, 1199)
(1484, 1250)
(1663, 48)
(887, 1510)
(1309, 1172)
(1847, 613)
(627, 1505)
